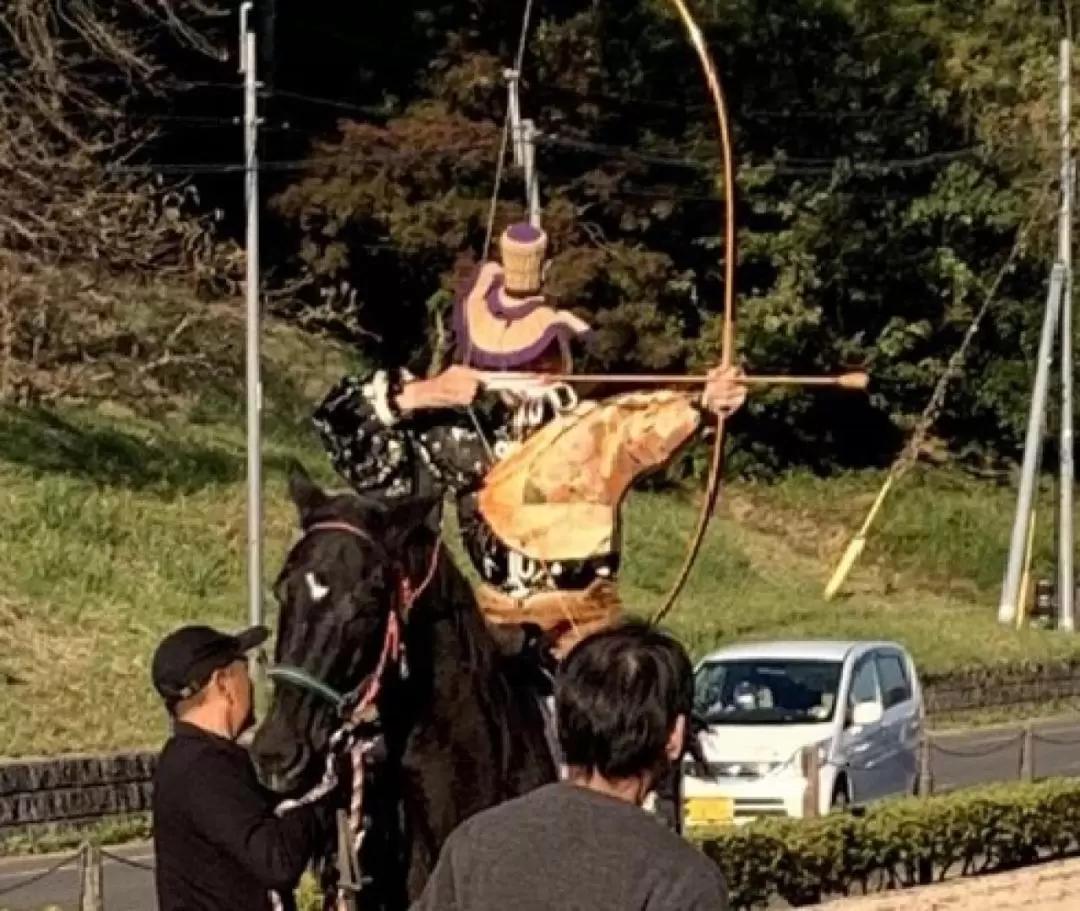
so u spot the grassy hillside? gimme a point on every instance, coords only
(118, 528)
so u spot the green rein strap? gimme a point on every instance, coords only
(304, 680)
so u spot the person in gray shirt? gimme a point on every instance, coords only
(623, 699)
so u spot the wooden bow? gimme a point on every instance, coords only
(712, 489)
(514, 382)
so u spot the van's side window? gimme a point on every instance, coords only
(864, 684)
(895, 688)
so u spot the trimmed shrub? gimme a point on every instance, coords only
(897, 844)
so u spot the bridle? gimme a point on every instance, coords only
(354, 705)
(358, 733)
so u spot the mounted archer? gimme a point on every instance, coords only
(539, 476)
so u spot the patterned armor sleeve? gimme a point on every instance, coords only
(378, 450)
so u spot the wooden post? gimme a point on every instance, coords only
(1027, 754)
(91, 893)
(811, 771)
(924, 786)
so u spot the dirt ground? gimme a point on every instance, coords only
(1047, 887)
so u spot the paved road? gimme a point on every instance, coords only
(980, 757)
(128, 881)
(958, 760)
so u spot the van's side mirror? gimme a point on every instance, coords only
(866, 713)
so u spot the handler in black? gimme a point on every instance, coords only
(217, 842)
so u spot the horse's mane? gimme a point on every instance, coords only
(500, 678)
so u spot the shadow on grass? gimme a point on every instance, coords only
(287, 409)
(48, 442)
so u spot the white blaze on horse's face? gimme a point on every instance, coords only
(317, 590)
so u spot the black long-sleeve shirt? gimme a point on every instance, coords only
(218, 844)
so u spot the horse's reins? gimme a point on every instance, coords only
(354, 704)
(352, 708)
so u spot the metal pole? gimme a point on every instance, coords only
(532, 181)
(513, 102)
(248, 64)
(1010, 589)
(1066, 580)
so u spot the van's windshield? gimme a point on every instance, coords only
(767, 691)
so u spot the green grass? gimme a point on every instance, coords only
(118, 528)
(753, 583)
(58, 839)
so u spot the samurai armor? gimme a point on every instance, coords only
(557, 496)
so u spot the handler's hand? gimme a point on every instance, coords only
(455, 387)
(725, 391)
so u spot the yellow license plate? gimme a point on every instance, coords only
(709, 811)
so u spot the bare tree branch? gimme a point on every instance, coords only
(77, 235)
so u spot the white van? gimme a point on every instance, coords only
(859, 703)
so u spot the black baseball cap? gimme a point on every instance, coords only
(185, 659)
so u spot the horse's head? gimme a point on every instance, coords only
(342, 591)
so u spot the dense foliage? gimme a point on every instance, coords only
(888, 154)
(897, 844)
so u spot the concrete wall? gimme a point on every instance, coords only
(1048, 887)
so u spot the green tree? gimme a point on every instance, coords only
(888, 153)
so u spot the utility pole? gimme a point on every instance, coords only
(523, 133)
(248, 66)
(1058, 309)
(1066, 580)
(532, 181)
(513, 109)
(1014, 571)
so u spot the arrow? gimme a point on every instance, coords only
(508, 382)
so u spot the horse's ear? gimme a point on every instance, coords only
(306, 495)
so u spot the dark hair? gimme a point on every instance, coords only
(618, 695)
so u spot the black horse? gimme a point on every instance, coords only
(460, 721)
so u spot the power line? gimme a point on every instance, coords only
(786, 113)
(787, 166)
(784, 164)
(327, 102)
(895, 115)
(870, 167)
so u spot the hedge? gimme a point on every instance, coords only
(897, 843)
(894, 844)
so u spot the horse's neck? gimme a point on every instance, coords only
(449, 619)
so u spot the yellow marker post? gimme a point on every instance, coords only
(1023, 608)
(855, 548)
